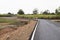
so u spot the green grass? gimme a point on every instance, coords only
(6, 15)
(40, 16)
(2, 20)
(13, 22)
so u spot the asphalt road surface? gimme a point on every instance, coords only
(47, 30)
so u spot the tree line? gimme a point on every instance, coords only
(35, 11)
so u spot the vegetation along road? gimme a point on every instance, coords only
(47, 30)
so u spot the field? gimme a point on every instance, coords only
(14, 28)
(40, 16)
(11, 21)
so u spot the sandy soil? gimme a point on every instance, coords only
(21, 33)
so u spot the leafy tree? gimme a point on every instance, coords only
(46, 12)
(9, 13)
(35, 11)
(20, 12)
(57, 11)
(52, 13)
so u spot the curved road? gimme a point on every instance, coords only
(47, 30)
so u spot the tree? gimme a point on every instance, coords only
(57, 11)
(9, 13)
(46, 12)
(52, 13)
(35, 11)
(20, 12)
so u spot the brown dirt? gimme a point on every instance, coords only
(22, 33)
(3, 24)
(5, 30)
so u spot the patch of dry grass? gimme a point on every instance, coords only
(22, 33)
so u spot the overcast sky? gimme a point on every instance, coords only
(28, 5)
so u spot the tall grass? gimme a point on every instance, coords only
(40, 16)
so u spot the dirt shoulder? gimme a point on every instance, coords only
(22, 33)
(56, 20)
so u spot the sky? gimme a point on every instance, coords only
(28, 5)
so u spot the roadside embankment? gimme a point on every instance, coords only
(22, 33)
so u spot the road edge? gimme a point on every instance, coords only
(33, 33)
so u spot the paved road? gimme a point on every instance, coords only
(47, 30)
